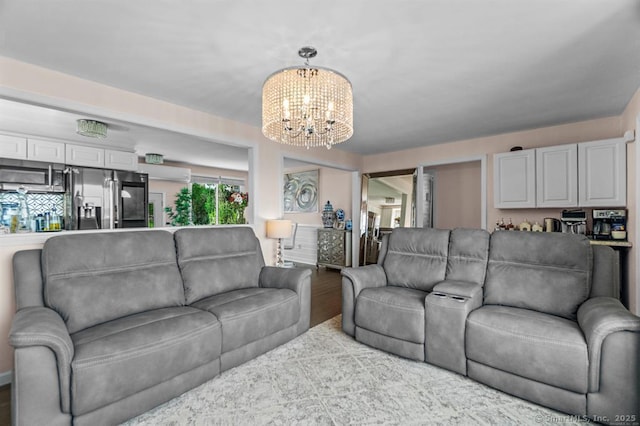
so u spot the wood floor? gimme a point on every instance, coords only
(326, 303)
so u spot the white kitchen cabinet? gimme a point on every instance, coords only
(602, 169)
(557, 176)
(514, 179)
(87, 156)
(13, 147)
(49, 151)
(120, 160)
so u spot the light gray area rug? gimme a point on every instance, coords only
(324, 377)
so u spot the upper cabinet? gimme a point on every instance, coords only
(120, 160)
(13, 147)
(588, 174)
(78, 155)
(514, 179)
(602, 173)
(49, 151)
(557, 176)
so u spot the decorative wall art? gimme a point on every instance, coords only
(301, 192)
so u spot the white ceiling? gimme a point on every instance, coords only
(423, 72)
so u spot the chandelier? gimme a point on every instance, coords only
(307, 106)
(91, 128)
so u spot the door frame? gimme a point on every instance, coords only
(355, 192)
(446, 162)
(163, 196)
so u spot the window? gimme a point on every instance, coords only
(218, 201)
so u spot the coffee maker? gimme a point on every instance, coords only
(574, 221)
(610, 224)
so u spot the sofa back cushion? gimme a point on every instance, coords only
(545, 272)
(217, 260)
(468, 255)
(93, 278)
(416, 257)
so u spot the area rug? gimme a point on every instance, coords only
(324, 377)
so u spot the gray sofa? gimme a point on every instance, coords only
(109, 325)
(535, 315)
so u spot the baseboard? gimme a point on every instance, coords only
(5, 378)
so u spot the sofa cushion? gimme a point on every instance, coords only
(546, 272)
(468, 255)
(416, 257)
(250, 314)
(93, 278)
(537, 346)
(117, 359)
(217, 260)
(392, 311)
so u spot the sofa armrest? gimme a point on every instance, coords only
(40, 326)
(354, 280)
(296, 279)
(291, 278)
(598, 318)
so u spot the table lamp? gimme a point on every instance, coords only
(279, 228)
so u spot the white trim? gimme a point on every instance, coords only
(483, 179)
(355, 195)
(5, 378)
(419, 191)
(637, 223)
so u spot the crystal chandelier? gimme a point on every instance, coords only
(91, 128)
(307, 106)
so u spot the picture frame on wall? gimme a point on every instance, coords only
(300, 192)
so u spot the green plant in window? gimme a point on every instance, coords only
(231, 204)
(203, 204)
(181, 216)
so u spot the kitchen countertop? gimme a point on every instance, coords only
(30, 238)
(611, 243)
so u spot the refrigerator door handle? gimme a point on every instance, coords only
(112, 204)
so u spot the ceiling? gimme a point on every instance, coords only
(382, 189)
(22, 118)
(423, 72)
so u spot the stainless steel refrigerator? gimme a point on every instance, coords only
(106, 199)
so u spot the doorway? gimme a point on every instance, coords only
(388, 200)
(156, 209)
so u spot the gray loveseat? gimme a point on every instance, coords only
(110, 325)
(535, 315)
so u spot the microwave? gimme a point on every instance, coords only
(33, 176)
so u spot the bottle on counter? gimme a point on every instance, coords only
(39, 223)
(55, 220)
(47, 222)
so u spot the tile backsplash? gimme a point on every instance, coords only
(37, 203)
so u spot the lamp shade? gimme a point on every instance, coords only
(278, 228)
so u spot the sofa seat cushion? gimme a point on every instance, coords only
(530, 344)
(251, 314)
(392, 311)
(125, 356)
